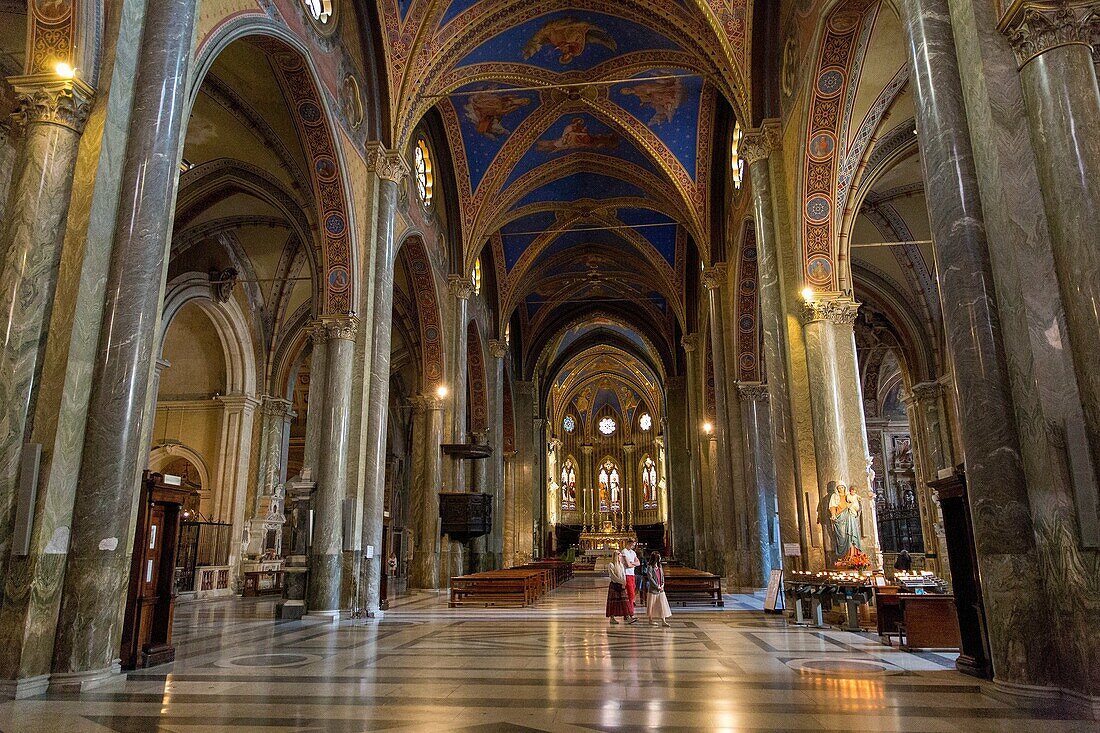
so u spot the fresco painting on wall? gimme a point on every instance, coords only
(487, 108)
(569, 37)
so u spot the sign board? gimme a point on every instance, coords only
(792, 549)
(773, 600)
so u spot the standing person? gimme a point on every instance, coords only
(904, 563)
(618, 603)
(657, 608)
(641, 578)
(630, 561)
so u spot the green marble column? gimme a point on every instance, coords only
(427, 471)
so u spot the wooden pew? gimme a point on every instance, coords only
(687, 586)
(517, 587)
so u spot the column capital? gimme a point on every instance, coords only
(51, 99)
(328, 328)
(498, 348)
(587, 449)
(834, 308)
(239, 402)
(460, 286)
(1034, 27)
(690, 342)
(755, 391)
(389, 165)
(556, 444)
(761, 142)
(275, 406)
(927, 391)
(425, 403)
(481, 437)
(628, 448)
(715, 275)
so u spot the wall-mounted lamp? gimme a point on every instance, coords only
(808, 294)
(441, 391)
(64, 70)
(708, 428)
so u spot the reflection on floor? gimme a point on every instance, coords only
(555, 667)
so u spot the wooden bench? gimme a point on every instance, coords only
(517, 587)
(687, 586)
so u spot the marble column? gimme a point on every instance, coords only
(477, 552)
(680, 509)
(275, 413)
(794, 524)
(424, 503)
(999, 503)
(498, 350)
(461, 288)
(698, 446)
(538, 505)
(327, 549)
(90, 621)
(1052, 42)
(391, 169)
(932, 452)
(52, 113)
(234, 464)
(760, 473)
(588, 484)
(509, 519)
(630, 473)
(525, 473)
(726, 509)
(836, 407)
(315, 399)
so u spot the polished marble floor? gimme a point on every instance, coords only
(557, 666)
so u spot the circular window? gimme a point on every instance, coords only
(607, 425)
(422, 166)
(319, 10)
(645, 422)
(569, 424)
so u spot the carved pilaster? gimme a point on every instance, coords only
(498, 348)
(460, 286)
(389, 165)
(1033, 28)
(714, 277)
(50, 99)
(841, 310)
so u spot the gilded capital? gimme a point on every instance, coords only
(760, 143)
(343, 327)
(587, 449)
(690, 342)
(755, 391)
(424, 403)
(838, 309)
(714, 277)
(461, 286)
(1034, 27)
(318, 334)
(389, 165)
(498, 348)
(50, 99)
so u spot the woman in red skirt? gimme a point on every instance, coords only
(618, 602)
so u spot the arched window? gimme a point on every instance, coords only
(475, 275)
(569, 486)
(611, 490)
(649, 484)
(736, 161)
(319, 10)
(508, 333)
(422, 166)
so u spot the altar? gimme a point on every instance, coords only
(609, 541)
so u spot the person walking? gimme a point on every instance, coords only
(630, 561)
(657, 608)
(618, 603)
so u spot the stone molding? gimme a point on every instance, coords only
(425, 403)
(1033, 28)
(343, 327)
(239, 402)
(389, 165)
(755, 391)
(460, 286)
(50, 99)
(838, 309)
(690, 342)
(498, 348)
(761, 142)
(927, 391)
(715, 276)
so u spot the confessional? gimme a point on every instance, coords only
(151, 596)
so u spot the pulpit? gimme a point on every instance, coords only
(151, 596)
(465, 516)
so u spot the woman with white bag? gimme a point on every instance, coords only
(618, 602)
(657, 608)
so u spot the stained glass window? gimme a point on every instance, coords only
(645, 422)
(649, 484)
(611, 491)
(569, 486)
(607, 425)
(319, 10)
(736, 161)
(475, 275)
(569, 424)
(422, 166)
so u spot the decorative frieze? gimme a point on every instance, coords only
(841, 310)
(389, 165)
(1033, 28)
(51, 99)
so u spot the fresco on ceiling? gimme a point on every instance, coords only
(584, 185)
(456, 8)
(607, 397)
(568, 41)
(579, 332)
(658, 229)
(584, 240)
(404, 5)
(487, 115)
(514, 238)
(578, 133)
(668, 106)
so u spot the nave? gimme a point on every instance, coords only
(557, 666)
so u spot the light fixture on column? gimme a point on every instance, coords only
(441, 391)
(64, 70)
(808, 294)
(708, 427)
